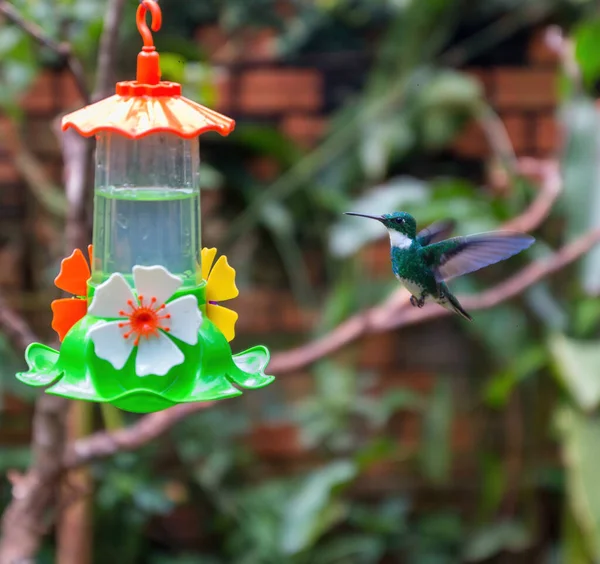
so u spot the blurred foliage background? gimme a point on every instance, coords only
(325, 466)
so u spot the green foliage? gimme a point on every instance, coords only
(577, 365)
(580, 434)
(384, 151)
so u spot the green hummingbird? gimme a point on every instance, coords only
(422, 262)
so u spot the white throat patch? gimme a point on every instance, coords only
(399, 240)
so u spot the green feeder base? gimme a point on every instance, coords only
(209, 372)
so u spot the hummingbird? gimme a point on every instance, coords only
(424, 261)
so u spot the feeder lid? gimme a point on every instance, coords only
(147, 105)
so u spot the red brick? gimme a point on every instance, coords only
(285, 9)
(252, 306)
(290, 317)
(525, 89)
(210, 201)
(463, 433)
(259, 45)
(547, 134)
(297, 385)
(410, 425)
(5, 133)
(214, 42)
(41, 139)
(417, 381)
(471, 142)
(70, 96)
(224, 90)
(41, 96)
(538, 51)
(485, 77)
(516, 128)
(267, 91)
(54, 170)
(378, 350)
(305, 130)
(376, 258)
(276, 440)
(8, 174)
(12, 405)
(250, 44)
(11, 275)
(264, 169)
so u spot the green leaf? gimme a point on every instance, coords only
(586, 49)
(577, 365)
(581, 121)
(580, 435)
(381, 139)
(312, 510)
(498, 390)
(451, 90)
(436, 448)
(173, 67)
(350, 234)
(492, 539)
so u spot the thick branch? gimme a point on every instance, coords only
(108, 49)
(104, 444)
(26, 518)
(15, 327)
(384, 316)
(397, 312)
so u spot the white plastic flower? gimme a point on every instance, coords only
(143, 321)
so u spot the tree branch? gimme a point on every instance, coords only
(32, 508)
(15, 327)
(63, 50)
(394, 313)
(389, 313)
(150, 427)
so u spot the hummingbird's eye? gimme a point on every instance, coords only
(400, 220)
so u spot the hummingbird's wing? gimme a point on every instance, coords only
(435, 232)
(460, 255)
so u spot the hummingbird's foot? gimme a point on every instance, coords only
(413, 301)
(417, 302)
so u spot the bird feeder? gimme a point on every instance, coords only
(144, 329)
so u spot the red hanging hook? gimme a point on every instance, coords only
(148, 68)
(156, 13)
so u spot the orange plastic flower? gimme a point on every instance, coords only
(73, 277)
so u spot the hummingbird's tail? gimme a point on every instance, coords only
(454, 305)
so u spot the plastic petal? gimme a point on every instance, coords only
(65, 313)
(224, 318)
(251, 365)
(186, 319)
(109, 343)
(111, 297)
(207, 256)
(155, 281)
(157, 355)
(74, 274)
(221, 282)
(42, 362)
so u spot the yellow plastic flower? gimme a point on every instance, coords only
(220, 287)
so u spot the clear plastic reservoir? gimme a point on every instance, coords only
(146, 205)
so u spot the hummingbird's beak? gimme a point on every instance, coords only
(377, 217)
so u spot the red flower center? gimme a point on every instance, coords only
(143, 320)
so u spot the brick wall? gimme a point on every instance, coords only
(298, 98)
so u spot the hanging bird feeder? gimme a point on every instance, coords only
(144, 329)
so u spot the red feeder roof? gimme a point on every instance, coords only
(147, 105)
